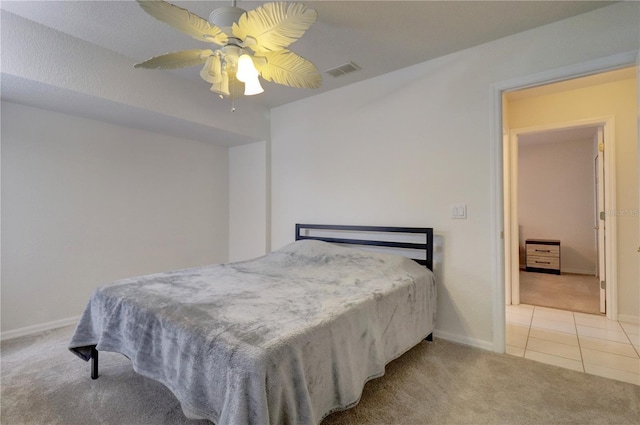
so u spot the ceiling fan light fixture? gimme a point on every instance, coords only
(212, 70)
(222, 87)
(248, 74)
(252, 86)
(246, 69)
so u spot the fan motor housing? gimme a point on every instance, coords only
(224, 17)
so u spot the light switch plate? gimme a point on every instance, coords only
(459, 211)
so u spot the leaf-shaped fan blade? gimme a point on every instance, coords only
(175, 60)
(274, 26)
(287, 68)
(183, 20)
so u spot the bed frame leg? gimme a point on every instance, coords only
(94, 362)
(429, 337)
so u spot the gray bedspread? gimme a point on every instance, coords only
(282, 339)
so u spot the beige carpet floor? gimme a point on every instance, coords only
(572, 292)
(434, 383)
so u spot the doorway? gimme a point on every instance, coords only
(557, 115)
(553, 185)
(501, 225)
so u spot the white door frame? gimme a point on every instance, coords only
(512, 240)
(599, 225)
(497, 212)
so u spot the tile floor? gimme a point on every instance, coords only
(583, 342)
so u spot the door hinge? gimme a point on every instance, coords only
(600, 147)
(602, 215)
(603, 284)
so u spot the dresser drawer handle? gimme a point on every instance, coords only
(543, 262)
(543, 250)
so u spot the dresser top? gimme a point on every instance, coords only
(544, 241)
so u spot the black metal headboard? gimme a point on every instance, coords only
(427, 246)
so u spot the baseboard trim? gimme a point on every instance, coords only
(34, 329)
(462, 339)
(628, 318)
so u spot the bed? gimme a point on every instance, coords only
(287, 338)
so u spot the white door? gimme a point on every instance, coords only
(601, 218)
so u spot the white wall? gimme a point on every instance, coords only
(248, 201)
(556, 199)
(399, 149)
(84, 203)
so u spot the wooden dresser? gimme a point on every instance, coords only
(543, 255)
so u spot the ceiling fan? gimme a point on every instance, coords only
(252, 43)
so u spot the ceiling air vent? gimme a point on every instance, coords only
(343, 69)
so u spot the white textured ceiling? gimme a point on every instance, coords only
(379, 36)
